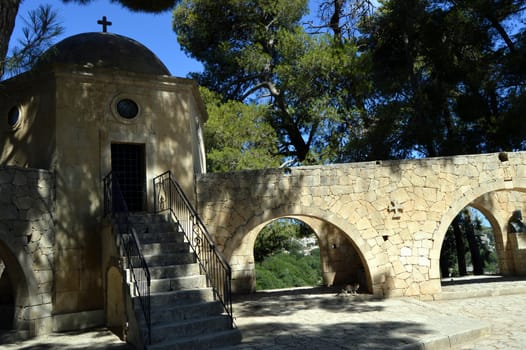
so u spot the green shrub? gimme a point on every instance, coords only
(284, 270)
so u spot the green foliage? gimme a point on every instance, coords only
(237, 136)
(440, 71)
(409, 78)
(259, 53)
(41, 27)
(280, 236)
(285, 270)
(153, 6)
(280, 258)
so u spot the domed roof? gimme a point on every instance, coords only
(104, 50)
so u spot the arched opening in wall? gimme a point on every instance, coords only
(327, 254)
(7, 299)
(469, 247)
(287, 255)
(13, 296)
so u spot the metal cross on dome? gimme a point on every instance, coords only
(105, 23)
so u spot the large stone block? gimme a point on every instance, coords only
(430, 286)
(20, 179)
(8, 212)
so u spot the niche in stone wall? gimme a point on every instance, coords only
(115, 310)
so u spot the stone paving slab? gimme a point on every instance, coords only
(317, 319)
(506, 313)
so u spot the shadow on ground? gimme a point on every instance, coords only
(97, 339)
(290, 301)
(345, 335)
(319, 318)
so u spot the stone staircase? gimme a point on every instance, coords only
(184, 313)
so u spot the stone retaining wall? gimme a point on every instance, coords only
(27, 238)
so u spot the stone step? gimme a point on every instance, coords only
(13, 336)
(179, 313)
(160, 237)
(171, 271)
(184, 312)
(180, 297)
(149, 218)
(144, 228)
(206, 341)
(179, 283)
(190, 328)
(166, 259)
(164, 248)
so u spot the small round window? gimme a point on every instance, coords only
(13, 116)
(127, 108)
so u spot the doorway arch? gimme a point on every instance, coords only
(496, 203)
(16, 298)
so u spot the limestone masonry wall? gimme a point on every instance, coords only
(396, 213)
(27, 237)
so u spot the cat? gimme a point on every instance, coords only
(350, 289)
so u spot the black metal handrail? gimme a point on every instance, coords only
(168, 195)
(115, 204)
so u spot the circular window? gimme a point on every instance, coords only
(13, 116)
(127, 108)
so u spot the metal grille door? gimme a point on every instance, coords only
(128, 168)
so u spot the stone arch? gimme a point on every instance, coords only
(21, 289)
(239, 247)
(27, 235)
(460, 201)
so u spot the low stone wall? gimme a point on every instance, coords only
(27, 238)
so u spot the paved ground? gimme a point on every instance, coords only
(99, 339)
(492, 317)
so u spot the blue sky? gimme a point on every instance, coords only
(153, 31)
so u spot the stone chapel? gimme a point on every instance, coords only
(94, 104)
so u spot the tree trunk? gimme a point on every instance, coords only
(459, 243)
(8, 12)
(444, 266)
(476, 260)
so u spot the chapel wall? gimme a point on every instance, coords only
(78, 285)
(31, 141)
(87, 124)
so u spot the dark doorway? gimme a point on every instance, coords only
(129, 169)
(7, 299)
